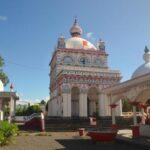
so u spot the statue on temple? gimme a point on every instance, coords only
(61, 42)
(101, 45)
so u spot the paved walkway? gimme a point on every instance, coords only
(125, 136)
(63, 141)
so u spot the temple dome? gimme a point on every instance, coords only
(145, 68)
(79, 43)
(1, 86)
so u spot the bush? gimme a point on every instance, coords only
(7, 131)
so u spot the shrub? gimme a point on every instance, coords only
(7, 131)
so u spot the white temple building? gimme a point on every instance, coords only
(7, 100)
(78, 73)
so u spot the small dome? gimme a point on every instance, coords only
(76, 30)
(145, 68)
(1, 86)
(79, 43)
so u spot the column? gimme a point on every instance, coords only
(143, 107)
(113, 106)
(15, 107)
(11, 105)
(66, 104)
(113, 126)
(101, 105)
(1, 104)
(134, 105)
(135, 127)
(1, 111)
(83, 103)
(134, 115)
(119, 108)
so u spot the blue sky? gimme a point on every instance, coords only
(29, 30)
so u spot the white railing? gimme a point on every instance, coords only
(130, 114)
(28, 118)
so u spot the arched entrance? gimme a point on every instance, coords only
(75, 101)
(92, 101)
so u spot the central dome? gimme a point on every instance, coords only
(79, 43)
(145, 68)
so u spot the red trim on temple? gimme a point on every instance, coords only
(113, 105)
(141, 105)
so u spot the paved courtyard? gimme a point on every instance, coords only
(62, 141)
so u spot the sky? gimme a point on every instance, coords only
(29, 30)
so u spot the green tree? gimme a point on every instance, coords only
(33, 109)
(126, 106)
(3, 75)
(43, 102)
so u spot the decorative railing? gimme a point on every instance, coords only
(34, 115)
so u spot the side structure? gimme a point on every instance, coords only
(78, 73)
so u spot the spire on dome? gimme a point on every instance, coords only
(76, 30)
(146, 49)
(146, 55)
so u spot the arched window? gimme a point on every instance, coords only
(97, 62)
(84, 61)
(68, 60)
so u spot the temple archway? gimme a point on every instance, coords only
(92, 101)
(75, 101)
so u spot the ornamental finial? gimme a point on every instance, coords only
(75, 30)
(146, 49)
(146, 55)
(11, 87)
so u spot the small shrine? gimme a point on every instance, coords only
(7, 102)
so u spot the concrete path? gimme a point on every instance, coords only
(63, 141)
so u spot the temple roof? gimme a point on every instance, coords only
(79, 43)
(145, 68)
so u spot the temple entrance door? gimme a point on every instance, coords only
(92, 101)
(75, 102)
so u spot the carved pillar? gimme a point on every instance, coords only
(83, 103)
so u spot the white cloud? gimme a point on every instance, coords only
(89, 35)
(3, 18)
